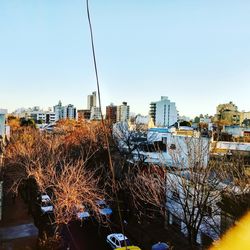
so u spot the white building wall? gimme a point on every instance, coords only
(65, 112)
(234, 130)
(58, 112)
(71, 112)
(52, 117)
(42, 116)
(166, 113)
(122, 113)
(210, 225)
(95, 113)
(182, 151)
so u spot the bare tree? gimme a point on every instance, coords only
(129, 140)
(66, 164)
(191, 188)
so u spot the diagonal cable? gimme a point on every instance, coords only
(103, 123)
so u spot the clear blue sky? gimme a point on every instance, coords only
(196, 52)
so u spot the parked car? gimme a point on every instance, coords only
(46, 205)
(103, 208)
(82, 212)
(118, 240)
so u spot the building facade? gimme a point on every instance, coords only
(43, 116)
(244, 116)
(64, 112)
(69, 112)
(3, 113)
(111, 113)
(163, 112)
(180, 193)
(83, 114)
(91, 101)
(95, 113)
(58, 111)
(123, 112)
(228, 113)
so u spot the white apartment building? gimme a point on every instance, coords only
(64, 112)
(38, 116)
(95, 113)
(163, 112)
(50, 117)
(69, 112)
(122, 112)
(43, 116)
(58, 111)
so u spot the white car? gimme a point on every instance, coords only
(103, 208)
(82, 212)
(118, 240)
(46, 205)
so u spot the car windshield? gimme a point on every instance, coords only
(46, 203)
(125, 243)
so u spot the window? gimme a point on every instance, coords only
(125, 241)
(112, 239)
(117, 242)
(46, 203)
(164, 140)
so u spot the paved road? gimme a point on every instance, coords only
(16, 232)
(88, 237)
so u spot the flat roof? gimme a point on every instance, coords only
(159, 130)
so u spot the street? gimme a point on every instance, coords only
(89, 236)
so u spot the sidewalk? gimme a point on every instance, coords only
(17, 230)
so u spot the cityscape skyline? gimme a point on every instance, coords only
(195, 53)
(48, 108)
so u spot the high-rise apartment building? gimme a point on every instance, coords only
(122, 114)
(91, 102)
(58, 111)
(69, 112)
(64, 112)
(163, 112)
(111, 113)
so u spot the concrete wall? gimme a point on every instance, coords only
(182, 151)
(166, 113)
